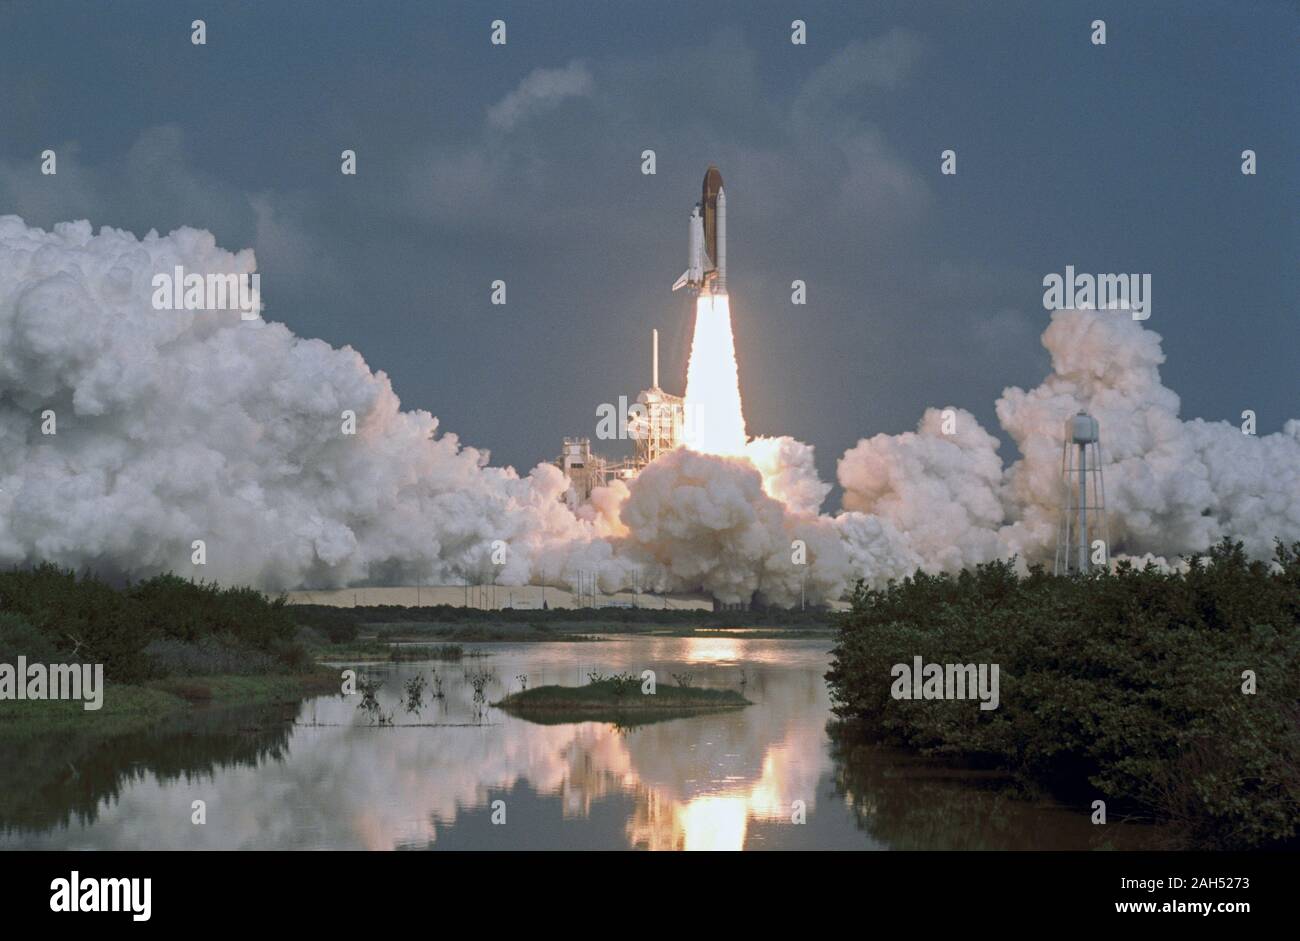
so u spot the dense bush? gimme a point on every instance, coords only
(19, 638)
(185, 610)
(338, 625)
(1124, 685)
(85, 618)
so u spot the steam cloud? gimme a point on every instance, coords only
(1172, 486)
(180, 425)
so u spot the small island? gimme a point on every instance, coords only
(617, 696)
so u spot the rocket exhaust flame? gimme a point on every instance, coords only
(715, 420)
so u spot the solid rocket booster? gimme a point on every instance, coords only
(706, 243)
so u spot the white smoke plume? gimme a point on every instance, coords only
(940, 492)
(175, 426)
(699, 520)
(1172, 486)
(789, 472)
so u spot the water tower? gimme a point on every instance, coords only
(1083, 503)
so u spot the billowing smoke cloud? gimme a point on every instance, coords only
(1172, 486)
(174, 426)
(789, 472)
(943, 490)
(698, 520)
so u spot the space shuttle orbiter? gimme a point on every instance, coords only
(706, 270)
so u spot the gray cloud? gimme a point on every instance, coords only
(539, 92)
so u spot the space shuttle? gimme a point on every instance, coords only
(706, 266)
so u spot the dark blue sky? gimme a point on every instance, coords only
(923, 289)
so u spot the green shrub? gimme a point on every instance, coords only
(339, 625)
(19, 638)
(186, 610)
(1126, 684)
(84, 618)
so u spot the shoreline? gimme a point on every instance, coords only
(133, 707)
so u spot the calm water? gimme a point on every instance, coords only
(316, 776)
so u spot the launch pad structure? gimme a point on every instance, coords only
(655, 425)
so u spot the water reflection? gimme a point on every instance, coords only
(328, 779)
(63, 781)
